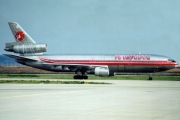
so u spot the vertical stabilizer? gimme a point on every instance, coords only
(19, 34)
(24, 44)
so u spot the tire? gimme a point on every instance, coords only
(75, 77)
(85, 77)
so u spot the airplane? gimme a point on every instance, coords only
(31, 54)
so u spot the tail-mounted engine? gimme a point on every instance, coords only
(26, 49)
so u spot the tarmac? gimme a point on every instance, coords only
(121, 100)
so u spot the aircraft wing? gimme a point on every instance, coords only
(16, 57)
(73, 67)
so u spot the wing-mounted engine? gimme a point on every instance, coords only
(101, 71)
(26, 49)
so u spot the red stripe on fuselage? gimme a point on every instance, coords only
(110, 62)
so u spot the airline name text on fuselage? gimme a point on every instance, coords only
(132, 57)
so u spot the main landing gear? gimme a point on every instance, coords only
(80, 77)
(80, 74)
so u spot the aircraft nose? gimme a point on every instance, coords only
(176, 65)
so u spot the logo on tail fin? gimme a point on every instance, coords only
(20, 36)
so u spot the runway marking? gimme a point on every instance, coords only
(32, 95)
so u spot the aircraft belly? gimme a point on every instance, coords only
(113, 68)
(138, 68)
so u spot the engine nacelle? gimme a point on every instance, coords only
(27, 49)
(101, 71)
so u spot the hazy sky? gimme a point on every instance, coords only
(96, 26)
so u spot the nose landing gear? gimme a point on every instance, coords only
(150, 76)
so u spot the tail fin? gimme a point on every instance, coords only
(24, 44)
(19, 34)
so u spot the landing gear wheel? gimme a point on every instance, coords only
(85, 77)
(150, 78)
(75, 77)
(80, 77)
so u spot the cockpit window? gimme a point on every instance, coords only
(171, 60)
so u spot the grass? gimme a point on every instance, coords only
(46, 82)
(92, 77)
